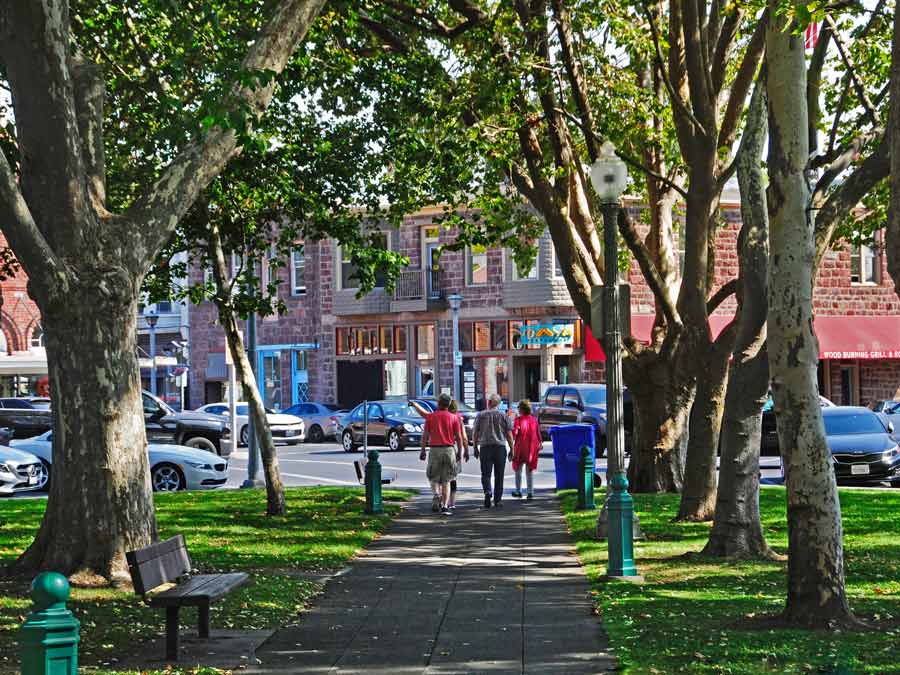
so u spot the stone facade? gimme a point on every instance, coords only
(315, 321)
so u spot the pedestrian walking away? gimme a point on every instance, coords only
(526, 448)
(491, 437)
(440, 439)
(462, 451)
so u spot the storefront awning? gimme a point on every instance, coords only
(840, 337)
(858, 337)
(27, 363)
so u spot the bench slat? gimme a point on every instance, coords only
(200, 590)
(158, 564)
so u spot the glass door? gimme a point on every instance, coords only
(269, 369)
(299, 378)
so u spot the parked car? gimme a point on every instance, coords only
(769, 438)
(468, 413)
(172, 467)
(582, 404)
(286, 428)
(883, 406)
(20, 471)
(391, 423)
(863, 446)
(39, 402)
(320, 419)
(24, 418)
(192, 429)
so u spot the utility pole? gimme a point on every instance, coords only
(455, 301)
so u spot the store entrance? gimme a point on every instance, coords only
(359, 381)
(562, 366)
(527, 377)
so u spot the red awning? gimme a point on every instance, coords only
(840, 337)
(858, 337)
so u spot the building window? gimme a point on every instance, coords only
(164, 307)
(498, 336)
(865, 263)
(532, 273)
(387, 339)
(482, 336)
(348, 274)
(298, 270)
(37, 337)
(466, 339)
(425, 342)
(476, 266)
(237, 264)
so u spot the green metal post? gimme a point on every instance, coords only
(621, 534)
(49, 636)
(586, 484)
(374, 504)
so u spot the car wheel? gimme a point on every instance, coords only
(895, 483)
(393, 441)
(202, 443)
(167, 478)
(44, 478)
(316, 435)
(245, 435)
(347, 442)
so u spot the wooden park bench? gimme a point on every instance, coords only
(168, 562)
(386, 478)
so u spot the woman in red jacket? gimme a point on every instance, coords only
(527, 448)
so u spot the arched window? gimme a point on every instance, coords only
(37, 337)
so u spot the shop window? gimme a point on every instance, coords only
(425, 342)
(345, 341)
(515, 335)
(482, 336)
(298, 270)
(865, 263)
(476, 266)
(498, 336)
(466, 337)
(272, 380)
(387, 339)
(400, 339)
(368, 340)
(395, 378)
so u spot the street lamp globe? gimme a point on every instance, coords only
(609, 175)
(151, 318)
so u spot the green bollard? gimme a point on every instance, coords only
(586, 484)
(49, 636)
(374, 504)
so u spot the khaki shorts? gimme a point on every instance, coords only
(442, 466)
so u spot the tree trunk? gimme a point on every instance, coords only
(275, 503)
(892, 237)
(661, 400)
(698, 499)
(737, 530)
(101, 502)
(815, 594)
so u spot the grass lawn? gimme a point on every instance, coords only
(684, 617)
(226, 531)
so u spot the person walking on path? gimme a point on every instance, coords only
(463, 446)
(491, 436)
(526, 449)
(442, 434)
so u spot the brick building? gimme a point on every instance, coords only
(23, 361)
(334, 347)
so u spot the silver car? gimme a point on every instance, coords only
(20, 471)
(320, 419)
(172, 467)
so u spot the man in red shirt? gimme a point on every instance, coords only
(443, 433)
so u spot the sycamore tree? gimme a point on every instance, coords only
(87, 248)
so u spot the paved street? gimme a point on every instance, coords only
(328, 464)
(496, 591)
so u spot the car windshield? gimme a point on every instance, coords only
(593, 396)
(399, 410)
(853, 423)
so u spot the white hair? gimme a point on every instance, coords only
(493, 400)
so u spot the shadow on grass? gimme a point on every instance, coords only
(694, 613)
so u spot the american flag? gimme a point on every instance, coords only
(812, 35)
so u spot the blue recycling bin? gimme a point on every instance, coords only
(568, 439)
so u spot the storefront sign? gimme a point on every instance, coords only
(889, 354)
(548, 334)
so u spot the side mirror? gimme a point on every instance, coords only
(890, 427)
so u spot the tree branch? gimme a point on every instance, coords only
(857, 84)
(742, 83)
(725, 290)
(724, 43)
(159, 209)
(814, 86)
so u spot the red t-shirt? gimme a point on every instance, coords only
(441, 426)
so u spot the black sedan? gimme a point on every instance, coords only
(862, 446)
(391, 423)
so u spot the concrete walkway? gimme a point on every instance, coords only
(482, 591)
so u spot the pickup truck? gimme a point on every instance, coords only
(23, 418)
(581, 404)
(193, 429)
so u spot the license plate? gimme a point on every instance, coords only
(32, 480)
(859, 469)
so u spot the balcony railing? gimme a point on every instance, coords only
(418, 285)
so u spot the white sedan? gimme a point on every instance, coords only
(172, 467)
(285, 428)
(20, 471)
